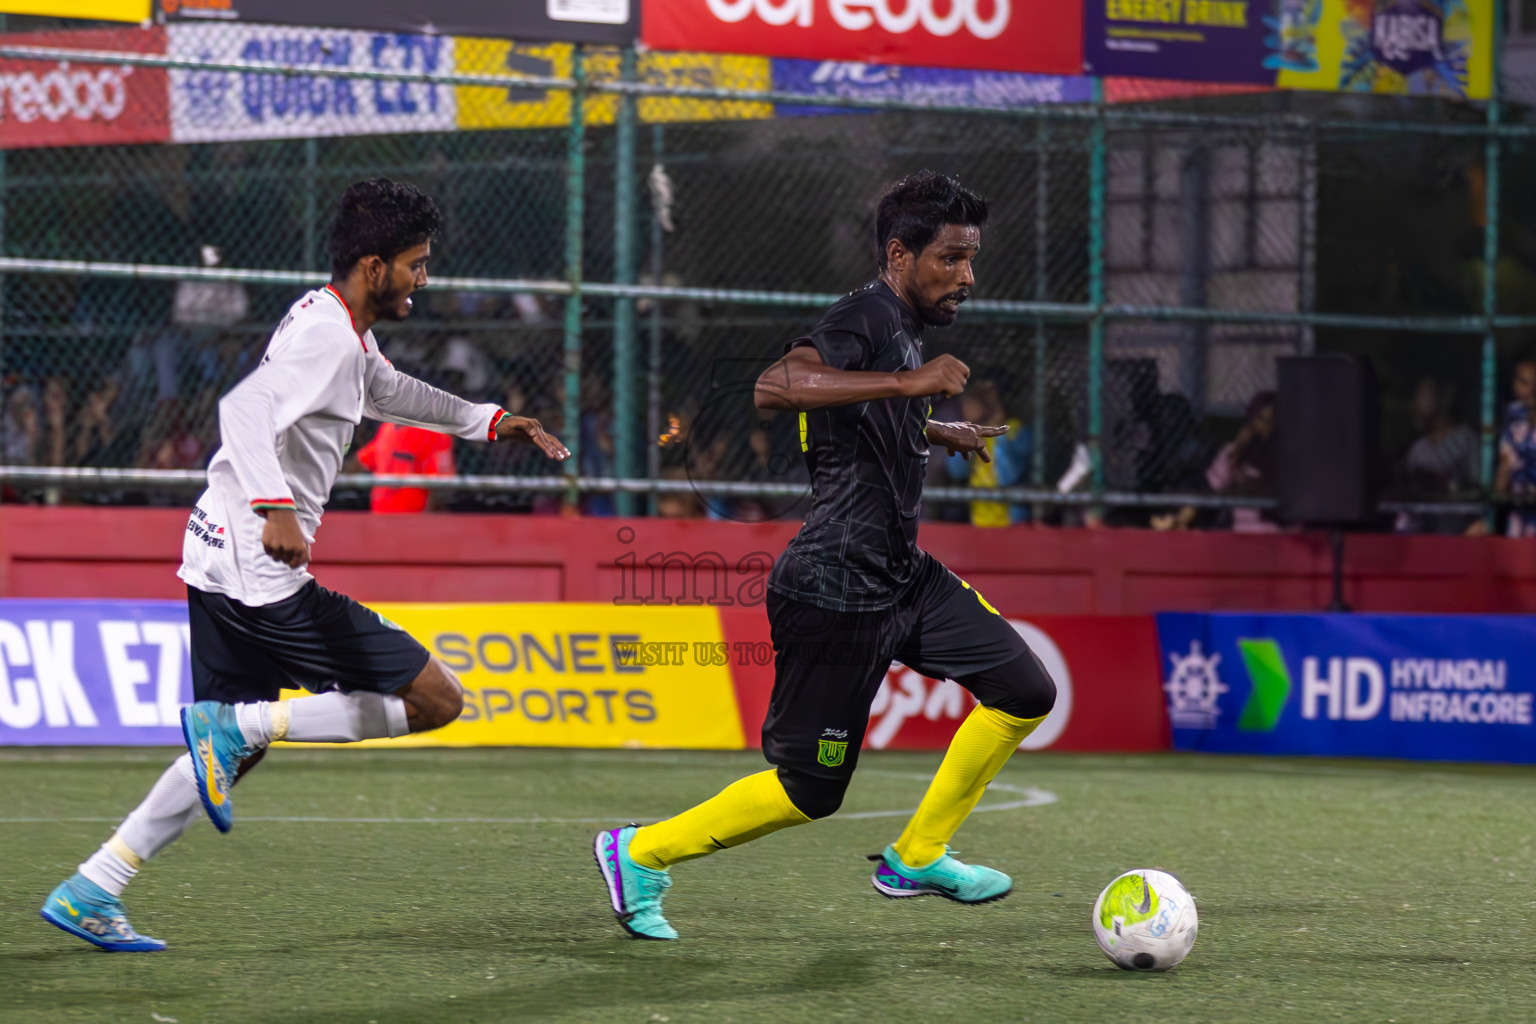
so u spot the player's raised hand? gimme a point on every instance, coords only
(527, 430)
(964, 438)
(945, 376)
(283, 538)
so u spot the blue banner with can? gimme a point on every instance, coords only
(93, 672)
(1443, 688)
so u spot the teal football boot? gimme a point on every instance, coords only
(634, 890)
(953, 879)
(213, 735)
(89, 912)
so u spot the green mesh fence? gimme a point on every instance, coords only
(1144, 268)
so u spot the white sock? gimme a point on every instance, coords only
(346, 717)
(170, 808)
(255, 721)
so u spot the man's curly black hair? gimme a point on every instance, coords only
(916, 208)
(380, 218)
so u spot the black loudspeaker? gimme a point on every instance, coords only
(1327, 446)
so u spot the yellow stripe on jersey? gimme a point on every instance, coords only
(805, 444)
(983, 600)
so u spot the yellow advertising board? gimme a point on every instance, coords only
(578, 675)
(538, 108)
(1348, 50)
(102, 10)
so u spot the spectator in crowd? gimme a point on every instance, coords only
(399, 450)
(463, 357)
(54, 445)
(1179, 457)
(209, 303)
(1516, 477)
(760, 470)
(172, 441)
(1246, 466)
(97, 426)
(509, 459)
(1442, 462)
(1522, 387)
(1009, 456)
(945, 410)
(773, 458)
(678, 504)
(22, 429)
(597, 449)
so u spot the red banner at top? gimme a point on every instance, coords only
(65, 103)
(1045, 36)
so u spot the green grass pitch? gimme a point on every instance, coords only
(458, 885)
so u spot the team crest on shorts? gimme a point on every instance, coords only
(831, 752)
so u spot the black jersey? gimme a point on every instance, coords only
(858, 547)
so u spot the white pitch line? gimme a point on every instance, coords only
(1032, 797)
(1029, 797)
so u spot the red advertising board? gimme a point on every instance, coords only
(992, 35)
(1149, 90)
(1107, 671)
(66, 103)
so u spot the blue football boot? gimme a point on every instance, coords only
(634, 890)
(953, 879)
(89, 912)
(213, 735)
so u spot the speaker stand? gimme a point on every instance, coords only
(1336, 541)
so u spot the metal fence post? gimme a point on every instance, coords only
(624, 376)
(653, 373)
(1096, 174)
(1490, 423)
(1042, 292)
(311, 256)
(575, 196)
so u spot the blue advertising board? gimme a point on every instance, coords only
(1002, 90)
(1445, 688)
(93, 672)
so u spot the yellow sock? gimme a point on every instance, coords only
(985, 741)
(747, 809)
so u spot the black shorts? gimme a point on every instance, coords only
(828, 665)
(317, 639)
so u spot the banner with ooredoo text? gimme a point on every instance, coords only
(997, 35)
(73, 103)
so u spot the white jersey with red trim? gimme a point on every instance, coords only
(285, 429)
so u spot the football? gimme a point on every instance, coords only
(1145, 920)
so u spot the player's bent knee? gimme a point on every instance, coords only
(812, 795)
(1038, 699)
(1021, 688)
(437, 696)
(1034, 700)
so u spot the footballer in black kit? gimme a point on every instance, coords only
(853, 591)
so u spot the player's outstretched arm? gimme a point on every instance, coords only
(401, 398)
(963, 438)
(529, 431)
(801, 381)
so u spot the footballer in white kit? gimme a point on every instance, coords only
(259, 621)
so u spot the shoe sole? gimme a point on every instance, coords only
(615, 888)
(111, 947)
(904, 894)
(201, 775)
